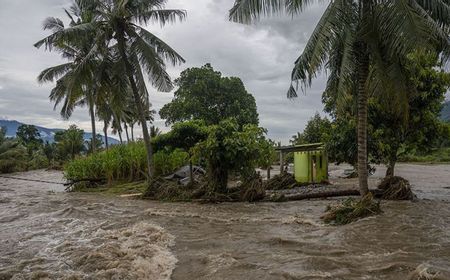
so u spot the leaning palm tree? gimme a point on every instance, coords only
(362, 44)
(77, 80)
(139, 51)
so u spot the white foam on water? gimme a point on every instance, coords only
(139, 251)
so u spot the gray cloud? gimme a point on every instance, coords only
(261, 54)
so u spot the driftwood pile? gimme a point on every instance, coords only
(396, 188)
(281, 182)
(351, 210)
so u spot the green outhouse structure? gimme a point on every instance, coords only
(310, 162)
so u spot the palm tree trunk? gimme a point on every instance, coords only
(137, 100)
(120, 136)
(126, 132)
(105, 131)
(363, 72)
(363, 97)
(94, 133)
(132, 132)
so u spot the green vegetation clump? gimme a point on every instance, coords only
(441, 155)
(351, 210)
(21, 154)
(122, 162)
(13, 157)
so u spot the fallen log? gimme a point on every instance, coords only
(313, 195)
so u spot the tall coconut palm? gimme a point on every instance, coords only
(361, 43)
(77, 80)
(140, 51)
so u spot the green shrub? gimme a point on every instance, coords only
(435, 156)
(38, 161)
(13, 157)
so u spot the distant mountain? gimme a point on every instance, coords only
(47, 134)
(445, 114)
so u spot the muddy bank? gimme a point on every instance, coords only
(48, 234)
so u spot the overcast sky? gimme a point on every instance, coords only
(262, 55)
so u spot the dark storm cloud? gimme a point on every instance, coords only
(261, 54)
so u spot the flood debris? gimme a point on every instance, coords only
(396, 188)
(250, 190)
(282, 181)
(164, 189)
(351, 210)
(423, 272)
(253, 189)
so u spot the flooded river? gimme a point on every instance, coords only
(46, 233)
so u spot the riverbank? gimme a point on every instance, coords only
(47, 232)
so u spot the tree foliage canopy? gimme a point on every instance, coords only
(70, 142)
(418, 127)
(203, 94)
(317, 130)
(184, 135)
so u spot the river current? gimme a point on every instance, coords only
(46, 233)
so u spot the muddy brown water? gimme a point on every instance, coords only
(46, 233)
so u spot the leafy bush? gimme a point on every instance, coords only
(13, 157)
(38, 161)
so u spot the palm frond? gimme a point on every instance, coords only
(162, 17)
(153, 64)
(338, 17)
(52, 73)
(161, 48)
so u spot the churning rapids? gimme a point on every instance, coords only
(46, 233)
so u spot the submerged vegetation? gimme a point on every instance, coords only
(351, 210)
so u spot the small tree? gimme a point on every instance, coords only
(30, 137)
(229, 148)
(268, 155)
(97, 145)
(317, 130)
(2, 134)
(183, 136)
(418, 125)
(70, 142)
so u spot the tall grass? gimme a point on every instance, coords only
(123, 163)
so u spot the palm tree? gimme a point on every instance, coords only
(138, 49)
(361, 43)
(77, 80)
(105, 113)
(154, 131)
